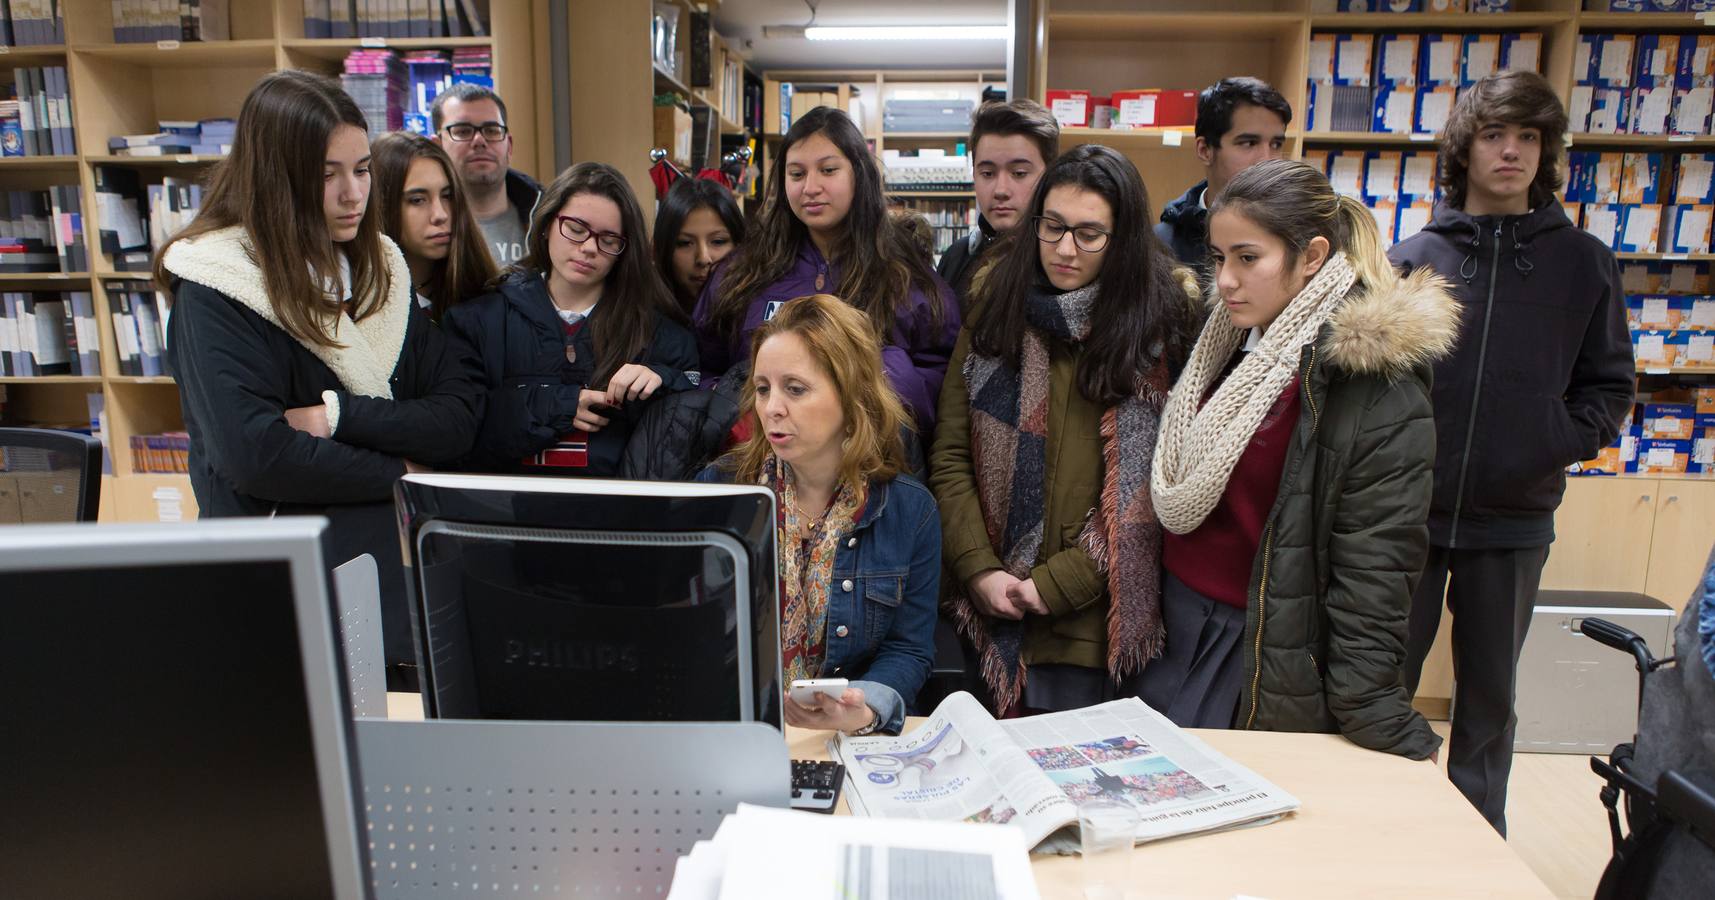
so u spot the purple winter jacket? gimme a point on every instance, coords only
(914, 358)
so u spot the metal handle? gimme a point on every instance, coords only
(1644, 499)
(1674, 498)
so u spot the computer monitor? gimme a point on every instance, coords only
(591, 600)
(171, 714)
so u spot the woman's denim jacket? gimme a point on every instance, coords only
(881, 606)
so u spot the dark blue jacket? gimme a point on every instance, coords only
(881, 611)
(533, 389)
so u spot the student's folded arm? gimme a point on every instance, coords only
(437, 426)
(907, 653)
(519, 415)
(230, 392)
(1377, 548)
(965, 546)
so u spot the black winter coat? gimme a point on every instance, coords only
(960, 263)
(1331, 585)
(533, 389)
(238, 372)
(680, 435)
(1184, 227)
(1542, 375)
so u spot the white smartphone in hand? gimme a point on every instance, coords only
(804, 690)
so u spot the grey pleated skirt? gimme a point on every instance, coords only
(1196, 682)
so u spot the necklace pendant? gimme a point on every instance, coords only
(571, 354)
(819, 281)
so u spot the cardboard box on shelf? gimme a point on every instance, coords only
(1662, 312)
(1072, 109)
(1705, 403)
(1687, 228)
(1669, 421)
(1663, 457)
(1155, 108)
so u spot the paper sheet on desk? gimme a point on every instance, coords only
(760, 854)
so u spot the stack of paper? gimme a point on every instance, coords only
(760, 853)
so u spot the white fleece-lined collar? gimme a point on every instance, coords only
(367, 351)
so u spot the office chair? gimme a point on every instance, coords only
(48, 476)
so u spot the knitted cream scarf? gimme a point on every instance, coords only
(1199, 447)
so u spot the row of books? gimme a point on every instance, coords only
(1412, 59)
(147, 21)
(1398, 186)
(161, 454)
(1413, 6)
(949, 220)
(1639, 177)
(1669, 431)
(395, 18)
(32, 22)
(206, 137)
(43, 333)
(1659, 348)
(42, 231)
(1670, 312)
(376, 81)
(1646, 227)
(36, 119)
(1643, 84)
(429, 72)
(140, 315)
(139, 219)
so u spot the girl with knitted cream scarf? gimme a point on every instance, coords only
(1293, 472)
(1047, 422)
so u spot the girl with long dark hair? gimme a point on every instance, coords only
(697, 225)
(423, 209)
(825, 228)
(308, 378)
(1048, 418)
(578, 339)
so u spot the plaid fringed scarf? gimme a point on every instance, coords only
(1009, 436)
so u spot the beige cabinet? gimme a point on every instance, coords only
(1684, 530)
(1603, 535)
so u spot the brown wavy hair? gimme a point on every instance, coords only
(633, 297)
(271, 186)
(841, 341)
(1512, 97)
(879, 261)
(468, 266)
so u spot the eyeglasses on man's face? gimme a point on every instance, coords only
(492, 132)
(577, 231)
(1089, 239)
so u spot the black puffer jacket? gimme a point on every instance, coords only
(1330, 588)
(684, 432)
(1184, 227)
(1542, 375)
(533, 388)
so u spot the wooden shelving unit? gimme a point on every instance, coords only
(126, 89)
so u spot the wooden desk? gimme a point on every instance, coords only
(1370, 825)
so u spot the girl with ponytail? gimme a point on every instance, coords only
(1292, 473)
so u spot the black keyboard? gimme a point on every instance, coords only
(816, 784)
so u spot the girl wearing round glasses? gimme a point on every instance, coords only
(1048, 419)
(578, 338)
(824, 228)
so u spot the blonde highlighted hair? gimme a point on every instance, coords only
(1296, 204)
(842, 342)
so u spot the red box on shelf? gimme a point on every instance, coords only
(1072, 109)
(1155, 108)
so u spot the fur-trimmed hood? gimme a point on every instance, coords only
(366, 352)
(1412, 322)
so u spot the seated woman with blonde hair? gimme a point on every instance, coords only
(859, 540)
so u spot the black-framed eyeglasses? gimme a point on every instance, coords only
(577, 231)
(492, 132)
(1087, 239)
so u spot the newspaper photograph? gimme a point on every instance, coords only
(1033, 772)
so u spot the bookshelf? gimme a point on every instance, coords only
(126, 89)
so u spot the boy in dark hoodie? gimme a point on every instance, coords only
(1541, 378)
(1240, 122)
(1011, 145)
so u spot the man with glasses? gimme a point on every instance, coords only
(470, 124)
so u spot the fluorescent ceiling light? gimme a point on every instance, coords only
(906, 32)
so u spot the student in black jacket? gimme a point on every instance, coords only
(1240, 122)
(309, 379)
(577, 341)
(1541, 378)
(1011, 146)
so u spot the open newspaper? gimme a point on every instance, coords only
(1033, 772)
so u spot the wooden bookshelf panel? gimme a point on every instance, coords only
(134, 408)
(55, 402)
(33, 55)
